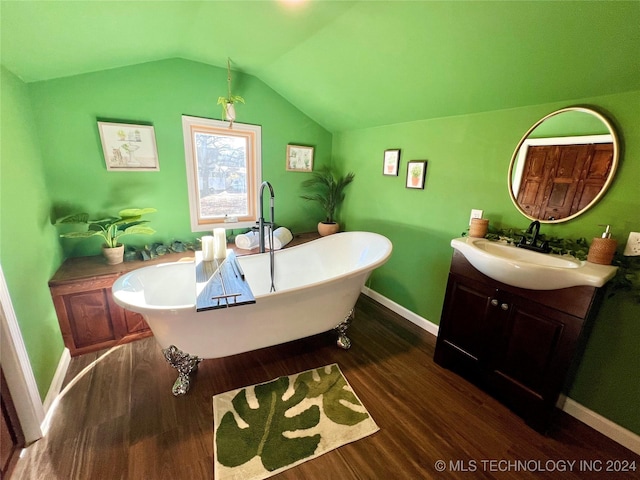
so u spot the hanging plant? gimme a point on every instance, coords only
(228, 108)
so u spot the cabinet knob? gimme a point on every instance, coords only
(494, 302)
(504, 306)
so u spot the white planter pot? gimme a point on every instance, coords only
(230, 112)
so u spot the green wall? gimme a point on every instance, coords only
(52, 160)
(160, 93)
(468, 159)
(29, 249)
(567, 124)
(59, 163)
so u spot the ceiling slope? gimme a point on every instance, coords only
(351, 64)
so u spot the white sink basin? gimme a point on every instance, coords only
(527, 269)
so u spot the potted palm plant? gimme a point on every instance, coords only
(111, 229)
(327, 189)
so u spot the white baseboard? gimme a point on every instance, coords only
(423, 323)
(17, 369)
(615, 432)
(58, 378)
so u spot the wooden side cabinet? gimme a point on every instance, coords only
(517, 344)
(89, 318)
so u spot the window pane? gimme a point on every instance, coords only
(222, 175)
(223, 172)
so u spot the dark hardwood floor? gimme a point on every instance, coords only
(119, 420)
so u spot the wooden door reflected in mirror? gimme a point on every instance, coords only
(563, 165)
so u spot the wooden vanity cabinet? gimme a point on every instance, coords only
(517, 344)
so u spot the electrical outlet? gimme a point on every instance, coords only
(475, 214)
(633, 245)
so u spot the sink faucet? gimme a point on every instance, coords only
(271, 223)
(534, 230)
(261, 222)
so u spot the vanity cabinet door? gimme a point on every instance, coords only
(533, 357)
(469, 327)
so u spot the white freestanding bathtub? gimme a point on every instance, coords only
(317, 285)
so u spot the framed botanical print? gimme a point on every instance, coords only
(391, 162)
(299, 158)
(416, 172)
(128, 147)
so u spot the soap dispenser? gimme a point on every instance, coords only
(602, 249)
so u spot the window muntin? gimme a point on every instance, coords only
(223, 172)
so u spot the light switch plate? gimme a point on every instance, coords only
(633, 245)
(475, 214)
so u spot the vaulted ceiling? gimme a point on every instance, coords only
(348, 64)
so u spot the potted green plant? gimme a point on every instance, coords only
(415, 175)
(111, 229)
(327, 190)
(228, 108)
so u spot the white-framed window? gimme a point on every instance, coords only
(223, 172)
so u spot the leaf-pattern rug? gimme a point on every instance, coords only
(264, 429)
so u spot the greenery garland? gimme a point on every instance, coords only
(627, 277)
(149, 252)
(157, 249)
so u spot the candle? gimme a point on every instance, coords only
(208, 248)
(220, 236)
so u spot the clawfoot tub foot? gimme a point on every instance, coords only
(343, 341)
(185, 364)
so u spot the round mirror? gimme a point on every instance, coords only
(563, 165)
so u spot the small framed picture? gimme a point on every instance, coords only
(299, 158)
(416, 172)
(128, 147)
(391, 162)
